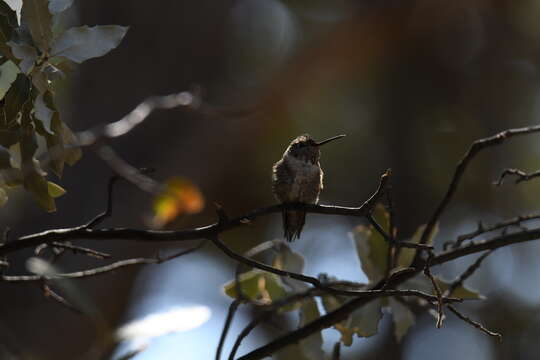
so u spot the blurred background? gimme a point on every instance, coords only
(412, 84)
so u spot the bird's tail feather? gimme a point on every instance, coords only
(293, 222)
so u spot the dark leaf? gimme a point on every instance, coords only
(33, 177)
(26, 53)
(36, 16)
(16, 97)
(403, 318)
(363, 322)
(5, 157)
(61, 142)
(82, 43)
(9, 13)
(43, 113)
(312, 345)
(39, 80)
(6, 32)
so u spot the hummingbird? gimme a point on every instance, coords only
(298, 178)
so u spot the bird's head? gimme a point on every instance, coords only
(306, 149)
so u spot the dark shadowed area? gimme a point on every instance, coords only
(412, 85)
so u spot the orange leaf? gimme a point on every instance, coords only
(180, 197)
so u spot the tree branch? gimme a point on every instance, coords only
(100, 270)
(483, 229)
(475, 148)
(520, 176)
(205, 232)
(474, 323)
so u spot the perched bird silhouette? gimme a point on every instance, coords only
(298, 178)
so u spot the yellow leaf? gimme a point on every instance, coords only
(180, 197)
(55, 190)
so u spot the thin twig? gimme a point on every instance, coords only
(127, 171)
(245, 332)
(427, 272)
(388, 239)
(482, 229)
(393, 251)
(108, 210)
(467, 273)
(474, 323)
(102, 269)
(74, 249)
(226, 326)
(49, 293)
(520, 176)
(336, 351)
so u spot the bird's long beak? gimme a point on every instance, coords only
(328, 140)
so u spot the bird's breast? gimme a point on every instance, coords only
(306, 184)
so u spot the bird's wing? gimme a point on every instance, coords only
(282, 180)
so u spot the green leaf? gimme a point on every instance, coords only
(403, 318)
(36, 184)
(57, 6)
(8, 74)
(372, 251)
(36, 16)
(312, 345)
(82, 43)
(422, 283)
(372, 247)
(26, 53)
(61, 142)
(257, 285)
(55, 190)
(33, 177)
(292, 261)
(460, 292)
(363, 322)
(72, 153)
(406, 255)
